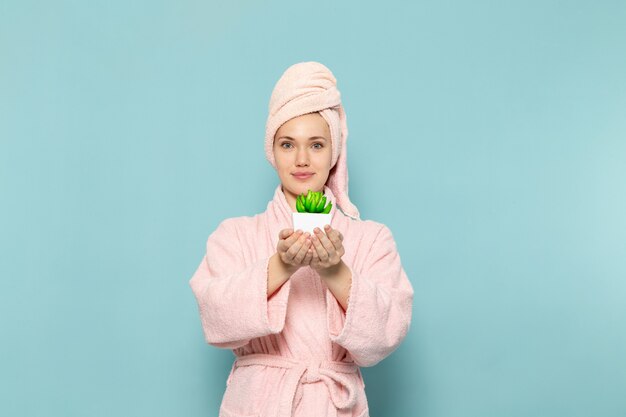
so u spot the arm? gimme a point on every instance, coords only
(379, 305)
(232, 296)
(277, 274)
(339, 281)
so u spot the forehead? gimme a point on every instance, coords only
(306, 124)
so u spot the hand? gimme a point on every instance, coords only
(328, 249)
(294, 249)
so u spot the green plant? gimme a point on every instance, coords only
(313, 202)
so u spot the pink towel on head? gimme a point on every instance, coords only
(308, 87)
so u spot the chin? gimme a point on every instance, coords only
(298, 187)
(304, 188)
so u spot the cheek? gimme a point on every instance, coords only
(325, 159)
(282, 164)
(279, 158)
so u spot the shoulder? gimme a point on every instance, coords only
(233, 222)
(232, 225)
(377, 234)
(227, 235)
(368, 227)
(371, 235)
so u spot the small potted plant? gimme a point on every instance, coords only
(312, 212)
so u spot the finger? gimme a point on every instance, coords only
(330, 231)
(322, 253)
(315, 259)
(295, 247)
(293, 238)
(304, 249)
(337, 233)
(326, 243)
(294, 235)
(309, 255)
(285, 232)
(285, 244)
(333, 236)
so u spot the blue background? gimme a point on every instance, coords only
(490, 136)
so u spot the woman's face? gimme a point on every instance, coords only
(303, 144)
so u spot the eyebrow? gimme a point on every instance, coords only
(311, 138)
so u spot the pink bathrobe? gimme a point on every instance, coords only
(298, 353)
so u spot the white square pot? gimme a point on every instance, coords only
(307, 222)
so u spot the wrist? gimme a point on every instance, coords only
(287, 268)
(331, 271)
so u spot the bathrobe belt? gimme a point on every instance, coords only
(307, 372)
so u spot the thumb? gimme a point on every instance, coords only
(285, 232)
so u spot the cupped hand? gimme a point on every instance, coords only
(327, 249)
(294, 248)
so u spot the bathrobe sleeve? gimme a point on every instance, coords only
(232, 295)
(379, 305)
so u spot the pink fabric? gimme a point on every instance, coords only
(308, 87)
(299, 353)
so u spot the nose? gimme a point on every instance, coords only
(302, 157)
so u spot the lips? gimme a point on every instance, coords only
(302, 176)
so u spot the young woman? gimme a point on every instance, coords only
(303, 312)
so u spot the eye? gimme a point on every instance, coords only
(321, 145)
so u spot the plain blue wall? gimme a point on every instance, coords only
(489, 136)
